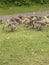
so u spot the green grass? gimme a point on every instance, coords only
(16, 9)
(24, 46)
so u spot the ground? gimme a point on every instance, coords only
(24, 46)
(16, 9)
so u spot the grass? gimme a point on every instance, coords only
(21, 9)
(24, 46)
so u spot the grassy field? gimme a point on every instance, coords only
(16, 9)
(24, 46)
